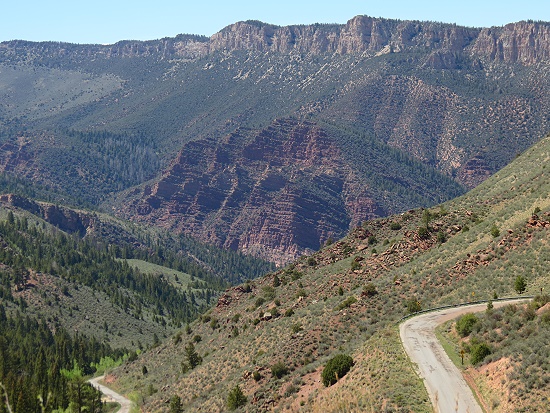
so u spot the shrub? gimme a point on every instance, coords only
(276, 281)
(311, 262)
(529, 314)
(495, 232)
(336, 368)
(372, 240)
(441, 237)
(465, 324)
(259, 301)
(197, 338)
(520, 285)
(291, 389)
(355, 265)
(296, 328)
(256, 375)
(346, 303)
(423, 233)
(413, 305)
(478, 352)
(301, 293)
(289, 312)
(295, 275)
(236, 398)
(175, 405)
(370, 290)
(395, 226)
(279, 369)
(269, 292)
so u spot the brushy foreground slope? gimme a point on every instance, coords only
(507, 354)
(347, 298)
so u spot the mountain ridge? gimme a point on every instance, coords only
(526, 42)
(95, 123)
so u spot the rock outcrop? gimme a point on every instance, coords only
(524, 42)
(275, 193)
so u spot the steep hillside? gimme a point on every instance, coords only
(106, 278)
(91, 123)
(272, 336)
(282, 190)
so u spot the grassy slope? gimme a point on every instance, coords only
(178, 279)
(403, 267)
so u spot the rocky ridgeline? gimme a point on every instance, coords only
(523, 42)
(276, 193)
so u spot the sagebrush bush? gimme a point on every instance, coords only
(336, 368)
(465, 324)
(279, 369)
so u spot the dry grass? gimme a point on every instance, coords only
(403, 266)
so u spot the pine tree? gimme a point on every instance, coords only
(192, 357)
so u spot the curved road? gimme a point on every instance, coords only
(111, 395)
(446, 386)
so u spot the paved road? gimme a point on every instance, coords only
(112, 396)
(446, 386)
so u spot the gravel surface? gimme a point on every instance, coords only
(112, 395)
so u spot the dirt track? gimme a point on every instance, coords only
(447, 388)
(111, 395)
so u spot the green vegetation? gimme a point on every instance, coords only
(92, 265)
(515, 336)
(336, 368)
(346, 303)
(175, 404)
(413, 305)
(279, 370)
(236, 398)
(520, 285)
(465, 324)
(478, 352)
(35, 361)
(193, 359)
(150, 105)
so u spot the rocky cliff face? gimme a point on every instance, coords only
(65, 219)
(275, 193)
(462, 101)
(523, 42)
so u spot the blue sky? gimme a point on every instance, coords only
(102, 21)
